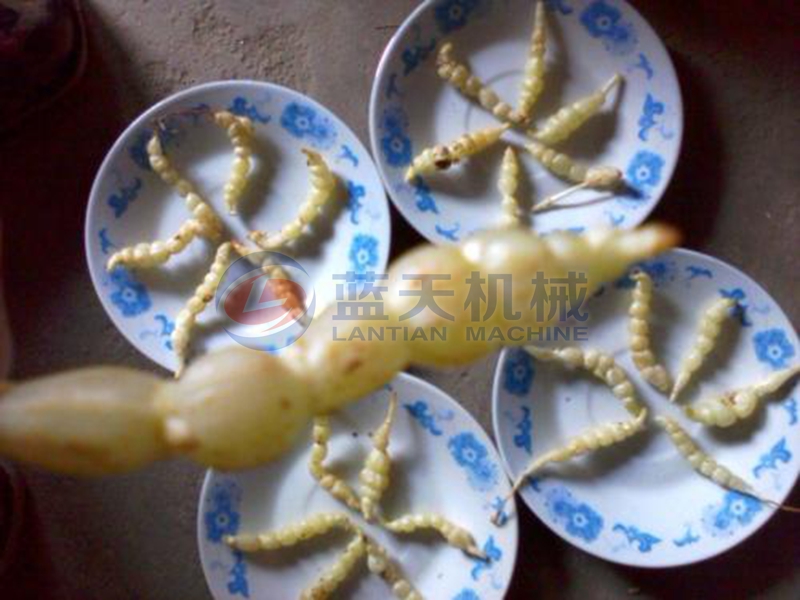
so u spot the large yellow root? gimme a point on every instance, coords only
(236, 408)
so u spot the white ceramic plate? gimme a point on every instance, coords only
(411, 109)
(641, 503)
(129, 204)
(442, 462)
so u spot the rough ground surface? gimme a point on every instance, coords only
(734, 195)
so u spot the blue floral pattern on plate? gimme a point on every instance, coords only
(740, 310)
(472, 455)
(773, 347)
(121, 199)
(242, 107)
(355, 193)
(222, 516)
(467, 594)
(237, 584)
(577, 518)
(395, 143)
(687, 539)
(651, 110)
(518, 372)
(791, 409)
(422, 413)
(523, 438)
(130, 296)
(364, 252)
(605, 22)
(736, 511)
(641, 540)
(644, 172)
(304, 122)
(779, 453)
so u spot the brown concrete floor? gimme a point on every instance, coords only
(734, 196)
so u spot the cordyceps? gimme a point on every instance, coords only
(237, 408)
(555, 129)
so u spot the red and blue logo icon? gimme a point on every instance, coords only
(266, 300)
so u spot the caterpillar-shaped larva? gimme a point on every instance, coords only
(146, 255)
(569, 118)
(442, 157)
(726, 409)
(456, 536)
(707, 335)
(202, 211)
(335, 575)
(565, 167)
(601, 365)
(701, 462)
(639, 341)
(336, 486)
(240, 132)
(533, 73)
(374, 477)
(236, 408)
(322, 188)
(459, 75)
(508, 184)
(379, 563)
(590, 440)
(289, 535)
(184, 322)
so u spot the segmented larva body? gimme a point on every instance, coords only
(145, 255)
(508, 184)
(707, 334)
(236, 408)
(240, 132)
(204, 294)
(379, 563)
(442, 157)
(590, 440)
(728, 408)
(700, 461)
(322, 188)
(337, 487)
(533, 73)
(456, 536)
(294, 533)
(569, 118)
(374, 477)
(557, 162)
(602, 177)
(459, 75)
(338, 572)
(601, 365)
(641, 350)
(212, 226)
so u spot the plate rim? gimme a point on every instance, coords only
(210, 473)
(94, 193)
(379, 80)
(497, 384)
